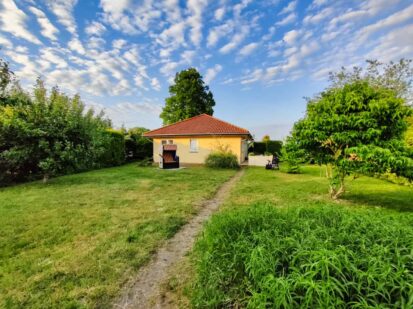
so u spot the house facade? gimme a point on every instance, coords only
(198, 136)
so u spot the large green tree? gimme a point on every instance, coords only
(358, 124)
(189, 96)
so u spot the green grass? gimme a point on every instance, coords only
(73, 242)
(281, 242)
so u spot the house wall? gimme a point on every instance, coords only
(206, 144)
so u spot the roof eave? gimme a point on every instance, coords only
(198, 134)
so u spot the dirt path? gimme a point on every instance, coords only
(146, 286)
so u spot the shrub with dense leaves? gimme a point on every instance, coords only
(47, 134)
(222, 159)
(320, 257)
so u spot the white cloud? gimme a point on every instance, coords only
(235, 40)
(187, 56)
(291, 36)
(95, 28)
(289, 8)
(394, 19)
(76, 46)
(174, 35)
(155, 84)
(320, 16)
(219, 13)
(63, 9)
(196, 7)
(48, 30)
(118, 44)
(13, 20)
(218, 32)
(172, 10)
(6, 43)
(287, 20)
(248, 49)
(394, 45)
(211, 73)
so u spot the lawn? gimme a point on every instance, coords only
(280, 241)
(75, 241)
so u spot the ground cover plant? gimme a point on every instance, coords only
(281, 242)
(74, 241)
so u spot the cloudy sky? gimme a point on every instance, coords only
(260, 58)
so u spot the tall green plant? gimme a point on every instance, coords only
(48, 134)
(189, 97)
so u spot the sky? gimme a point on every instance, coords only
(259, 58)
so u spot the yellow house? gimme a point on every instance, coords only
(198, 136)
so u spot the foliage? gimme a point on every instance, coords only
(317, 257)
(396, 76)
(223, 157)
(356, 128)
(137, 147)
(114, 143)
(51, 134)
(189, 97)
(292, 155)
(273, 147)
(409, 132)
(266, 139)
(76, 240)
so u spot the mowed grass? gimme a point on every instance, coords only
(73, 243)
(281, 242)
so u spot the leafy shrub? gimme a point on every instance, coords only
(318, 257)
(272, 147)
(47, 134)
(222, 158)
(292, 156)
(137, 147)
(114, 148)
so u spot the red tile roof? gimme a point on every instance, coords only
(199, 125)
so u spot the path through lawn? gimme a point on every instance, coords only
(77, 240)
(145, 288)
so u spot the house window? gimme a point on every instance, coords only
(170, 142)
(193, 145)
(163, 142)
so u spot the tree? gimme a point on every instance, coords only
(397, 76)
(189, 96)
(266, 139)
(355, 128)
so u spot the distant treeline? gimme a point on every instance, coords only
(47, 133)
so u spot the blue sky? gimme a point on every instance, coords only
(260, 58)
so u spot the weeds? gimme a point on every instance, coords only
(315, 257)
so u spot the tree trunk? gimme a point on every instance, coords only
(335, 189)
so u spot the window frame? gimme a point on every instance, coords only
(193, 149)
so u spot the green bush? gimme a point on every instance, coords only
(318, 257)
(222, 160)
(114, 148)
(46, 134)
(137, 147)
(273, 147)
